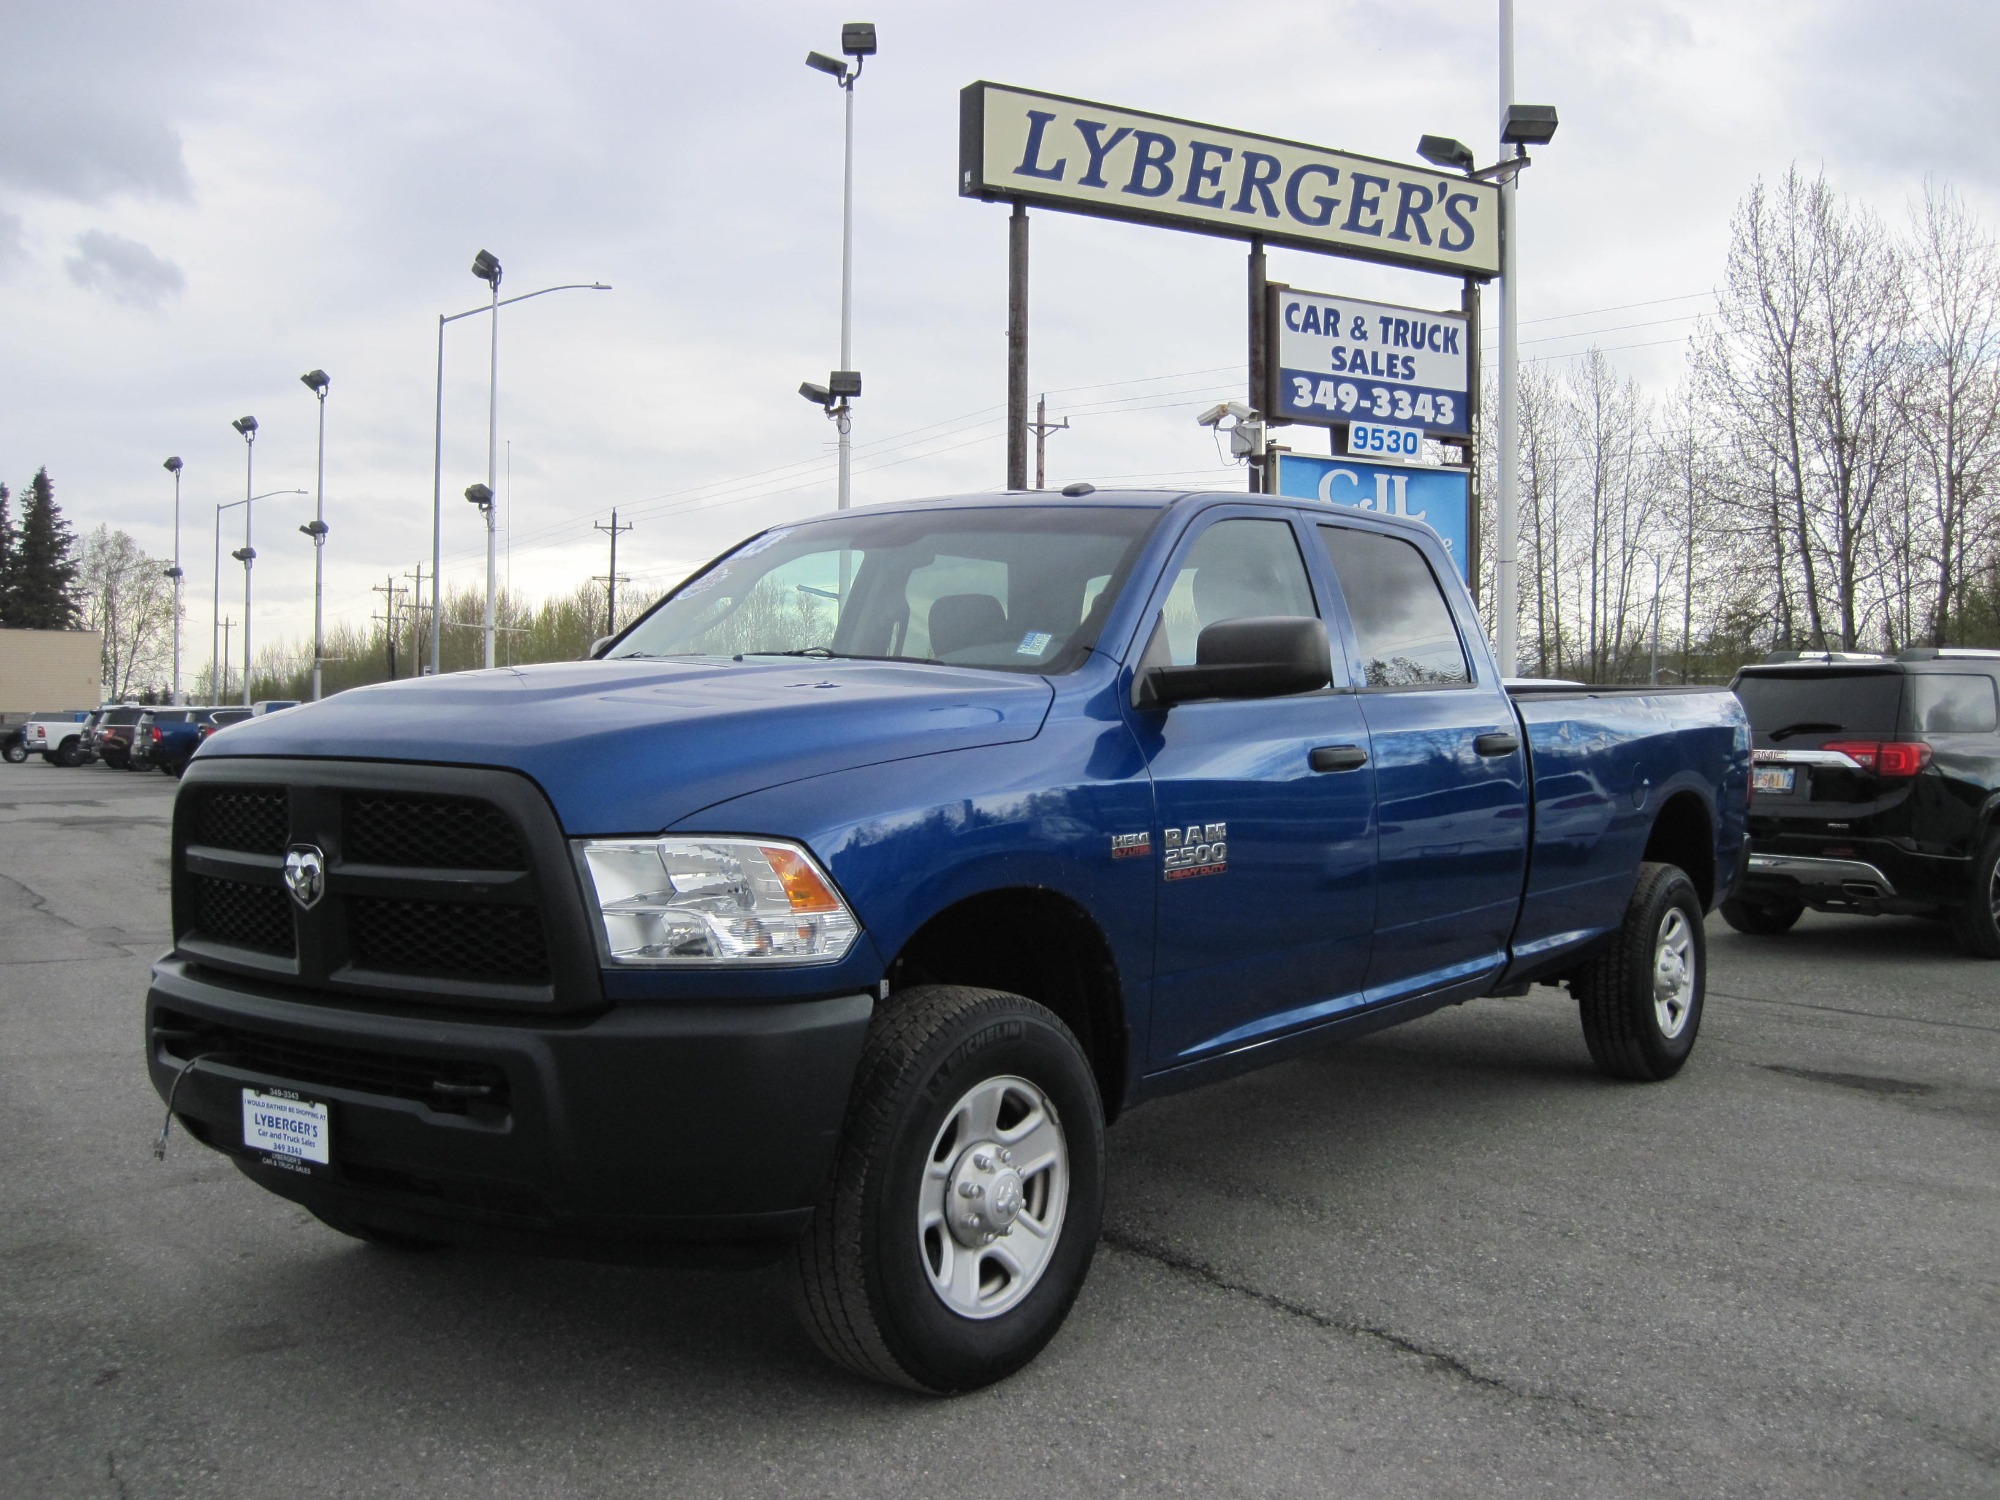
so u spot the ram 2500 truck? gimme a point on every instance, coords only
(836, 906)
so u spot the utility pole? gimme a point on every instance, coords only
(415, 609)
(389, 589)
(1042, 427)
(612, 579)
(224, 692)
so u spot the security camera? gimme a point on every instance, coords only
(1214, 415)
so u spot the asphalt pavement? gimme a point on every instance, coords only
(1447, 1260)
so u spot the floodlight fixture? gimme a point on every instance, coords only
(247, 426)
(857, 39)
(844, 383)
(172, 466)
(479, 495)
(314, 529)
(487, 269)
(832, 66)
(1528, 125)
(1445, 151)
(244, 555)
(818, 394)
(315, 381)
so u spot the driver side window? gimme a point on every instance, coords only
(1238, 569)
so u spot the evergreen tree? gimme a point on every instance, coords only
(9, 545)
(43, 591)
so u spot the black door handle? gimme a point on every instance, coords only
(1337, 758)
(1499, 742)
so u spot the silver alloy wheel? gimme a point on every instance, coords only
(995, 1185)
(1673, 973)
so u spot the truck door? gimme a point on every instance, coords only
(1450, 771)
(1264, 840)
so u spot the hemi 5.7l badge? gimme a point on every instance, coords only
(1131, 845)
(1198, 849)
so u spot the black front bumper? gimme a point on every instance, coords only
(622, 1135)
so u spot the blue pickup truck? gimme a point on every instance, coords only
(834, 908)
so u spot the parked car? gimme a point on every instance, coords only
(111, 736)
(788, 926)
(165, 739)
(1877, 789)
(219, 719)
(54, 736)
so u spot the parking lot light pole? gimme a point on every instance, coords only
(246, 554)
(857, 40)
(173, 467)
(437, 445)
(218, 646)
(317, 382)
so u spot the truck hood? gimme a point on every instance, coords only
(633, 746)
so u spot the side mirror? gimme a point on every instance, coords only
(1268, 657)
(598, 645)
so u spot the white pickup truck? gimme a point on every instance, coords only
(55, 737)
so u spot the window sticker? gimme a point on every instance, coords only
(769, 538)
(704, 583)
(1034, 643)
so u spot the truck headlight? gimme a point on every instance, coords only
(704, 900)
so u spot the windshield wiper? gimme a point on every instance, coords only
(822, 653)
(1806, 726)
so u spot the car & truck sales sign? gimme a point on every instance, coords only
(1343, 360)
(1071, 154)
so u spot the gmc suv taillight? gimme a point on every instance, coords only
(1889, 759)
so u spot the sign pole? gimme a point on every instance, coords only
(1260, 482)
(1017, 348)
(1473, 387)
(1507, 518)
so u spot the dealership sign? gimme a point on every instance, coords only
(1343, 360)
(1071, 154)
(1440, 498)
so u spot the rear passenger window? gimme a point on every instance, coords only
(1950, 703)
(1402, 625)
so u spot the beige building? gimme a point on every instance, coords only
(42, 671)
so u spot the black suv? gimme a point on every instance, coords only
(1875, 788)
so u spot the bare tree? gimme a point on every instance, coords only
(127, 595)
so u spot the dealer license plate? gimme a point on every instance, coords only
(1773, 778)
(281, 1124)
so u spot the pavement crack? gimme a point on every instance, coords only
(118, 1485)
(1436, 1359)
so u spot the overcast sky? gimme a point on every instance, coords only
(199, 201)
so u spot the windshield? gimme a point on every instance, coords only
(1020, 588)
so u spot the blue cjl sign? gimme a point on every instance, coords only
(1440, 498)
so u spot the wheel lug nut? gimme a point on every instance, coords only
(968, 1189)
(1006, 1156)
(971, 1221)
(983, 1162)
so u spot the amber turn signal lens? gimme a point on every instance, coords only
(802, 883)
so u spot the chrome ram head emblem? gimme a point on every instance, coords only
(305, 875)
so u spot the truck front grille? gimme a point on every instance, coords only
(251, 822)
(449, 937)
(442, 885)
(257, 917)
(451, 832)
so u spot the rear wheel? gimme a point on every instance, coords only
(66, 753)
(16, 751)
(1976, 924)
(966, 1195)
(1762, 918)
(1640, 998)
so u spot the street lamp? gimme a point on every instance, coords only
(487, 269)
(215, 678)
(317, 381)
(173, 467)
(857, 40)
(482, 265)
(246, 554)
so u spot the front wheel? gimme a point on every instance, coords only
(966, 1195)
(1976, 924)
(1640, 997)
(1762, 918)
(68, 753)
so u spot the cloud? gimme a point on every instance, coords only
(124, 270)
(89, 150)
(12, 251)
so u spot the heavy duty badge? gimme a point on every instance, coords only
(1198, 849)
